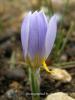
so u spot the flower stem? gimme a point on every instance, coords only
(34, 78)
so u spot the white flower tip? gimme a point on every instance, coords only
(26, 13)
(30, 12)
(42, 11)
(58, 17)
(35, 12)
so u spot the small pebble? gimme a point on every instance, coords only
(59, 96)
(60, 75)
(16, 86)
(10, 94)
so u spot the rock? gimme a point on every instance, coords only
(59, 96)
(15, 74)
(10, 94)
(60, 74)
(16, 86)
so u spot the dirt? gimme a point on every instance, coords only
(17, 85)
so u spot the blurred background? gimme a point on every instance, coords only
(12, 74)
(13, 11)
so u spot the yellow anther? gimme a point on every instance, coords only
(46, 67)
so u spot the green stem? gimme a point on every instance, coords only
(34, 78)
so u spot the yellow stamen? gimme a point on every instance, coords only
(46, 67)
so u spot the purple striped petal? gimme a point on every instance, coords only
(42, 27)
(25, 33)
(51, 34)
(38, 28)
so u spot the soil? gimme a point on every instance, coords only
(14, 83)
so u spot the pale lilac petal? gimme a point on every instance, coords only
(51, 34)
(38, 28)
(42, 28)
(33, 36)
(25, 33)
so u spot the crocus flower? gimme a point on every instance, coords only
(37, 37)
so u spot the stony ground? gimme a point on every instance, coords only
(14, 83)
